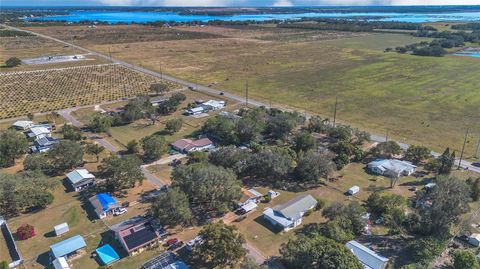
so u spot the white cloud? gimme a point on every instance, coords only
(283, 3)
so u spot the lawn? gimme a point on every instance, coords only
(420, 100)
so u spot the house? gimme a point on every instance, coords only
(248, 207)
(353, 190)
(188, 145)
(23, 124)
(474, 239)
(44, 144)
(248, 196)
(195, 110)
(391, 167)
(11, 246)
(156, 101)
(289, 215)
(214, 104)
(136, 235)
(38, 132)
(68, 247)
(81, 179)
(103, 204)
(60, 263)
(369, 258)
(61, 229)
(107, 254)
(166, 260)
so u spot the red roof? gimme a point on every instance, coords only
(188, 144)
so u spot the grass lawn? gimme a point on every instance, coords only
(162, 171)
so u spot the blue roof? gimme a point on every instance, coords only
(107, 254)
(106, 200)
(68, 246)
(177, 265)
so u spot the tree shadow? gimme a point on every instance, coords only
(44, 259)
(50, 234)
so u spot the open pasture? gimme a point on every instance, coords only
(47, 90)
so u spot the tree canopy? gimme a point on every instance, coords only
(122, 173)
(65, 155)
(12, 146)
(171, 208)
(154, 146)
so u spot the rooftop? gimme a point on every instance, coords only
(294, 207)
(166, 260)
(78, 175)
(68, 246)
(107, 254)
(137, 234)
(392, 164)
(369, 258)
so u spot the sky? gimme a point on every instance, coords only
(233, 2)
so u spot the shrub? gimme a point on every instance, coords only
(12, 62)
(266, 199)
(25, 232)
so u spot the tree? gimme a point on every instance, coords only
(417, 154)
(122, 173)
(231, 157)
(30, 116)
(171, 208)
(159, 88)
(352, 211)
(318, 252)
(4, 265)
(464, 259)
(221, 246)
(425, 249)
(100, 123)
(65, 155)
(341, 133)
(133, 147)
(135, 108)
(174, 125)
(272, 162)
(154, 146)
(12, 146)
(280, 125)
(25, 232)
(318, 125)
(221, 129)
(211, 188)
(339, 229)
(304, 141)
(36, 161)
(12, 62)
(26, 190)
(250, 263)
(386, 149)
(390, 207)
(311, 166)
(197, 157)
(152, 113)
(71, 132)
(475, 189)
(249, 128)
(446, 162)
(94, 149)
(447, 201)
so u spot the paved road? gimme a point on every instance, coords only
(376, 138)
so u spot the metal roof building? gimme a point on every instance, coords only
(68, 246)
(369, 258)
(289, 214)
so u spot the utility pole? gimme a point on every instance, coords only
(463, 149)
(246, 93)
(73, 45)
(386, 136)
(161, 74)
(109, 54)
(478, 147)
(335, 112)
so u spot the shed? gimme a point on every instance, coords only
(22, 124)
(60, 263)
(249, 207)
(61, 229)
(369, 258)
(353, 190)
(68, 246)
(107, 254)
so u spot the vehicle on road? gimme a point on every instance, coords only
(171, 242)
(476, 164)
(222, 93)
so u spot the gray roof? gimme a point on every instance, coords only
(369, 258)
(79, 175)
(293, 208)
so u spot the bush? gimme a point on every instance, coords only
(12, 62)
(25, 232)
(266, 199)
(320, 204)
(464, 259)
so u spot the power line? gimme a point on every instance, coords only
(463, 149)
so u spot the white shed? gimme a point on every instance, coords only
(353, 190)
(249, 207)
(60, 263)
(61, 229)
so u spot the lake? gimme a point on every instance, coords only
(150, 16)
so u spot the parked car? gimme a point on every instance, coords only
(171, 242)
(222, 93)
(119, 211)
(476, 164)
(176, 245)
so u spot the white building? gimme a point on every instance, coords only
(474, 239)
(369, 258)
(81, 179)
(23, 124)
(391, 167)
(195, 110)
(353, 190)
(214, 104)
(289, 215)
(38, 132)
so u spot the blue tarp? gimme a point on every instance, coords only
(107, 254)
(106, 200)
(67, 246)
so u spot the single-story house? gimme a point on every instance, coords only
(248, 207)
(391, 167)
(155, 101)
(107, 254)
(248, 196)
(23, 124)
(44, 125)
(44, 144)
(190, 244)
(474, 239)
(188, 145)
(136, 236)
(289, 215)
(61, 229)
(60, 263)
(195, 110)
(369, 258)
(81, 179)
(103, 204)
(38, 132)
(68, 247)
(214, 104)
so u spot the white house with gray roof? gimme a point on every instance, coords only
(369, 258)
(81, 179)
(391, 167)
(289, 215)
